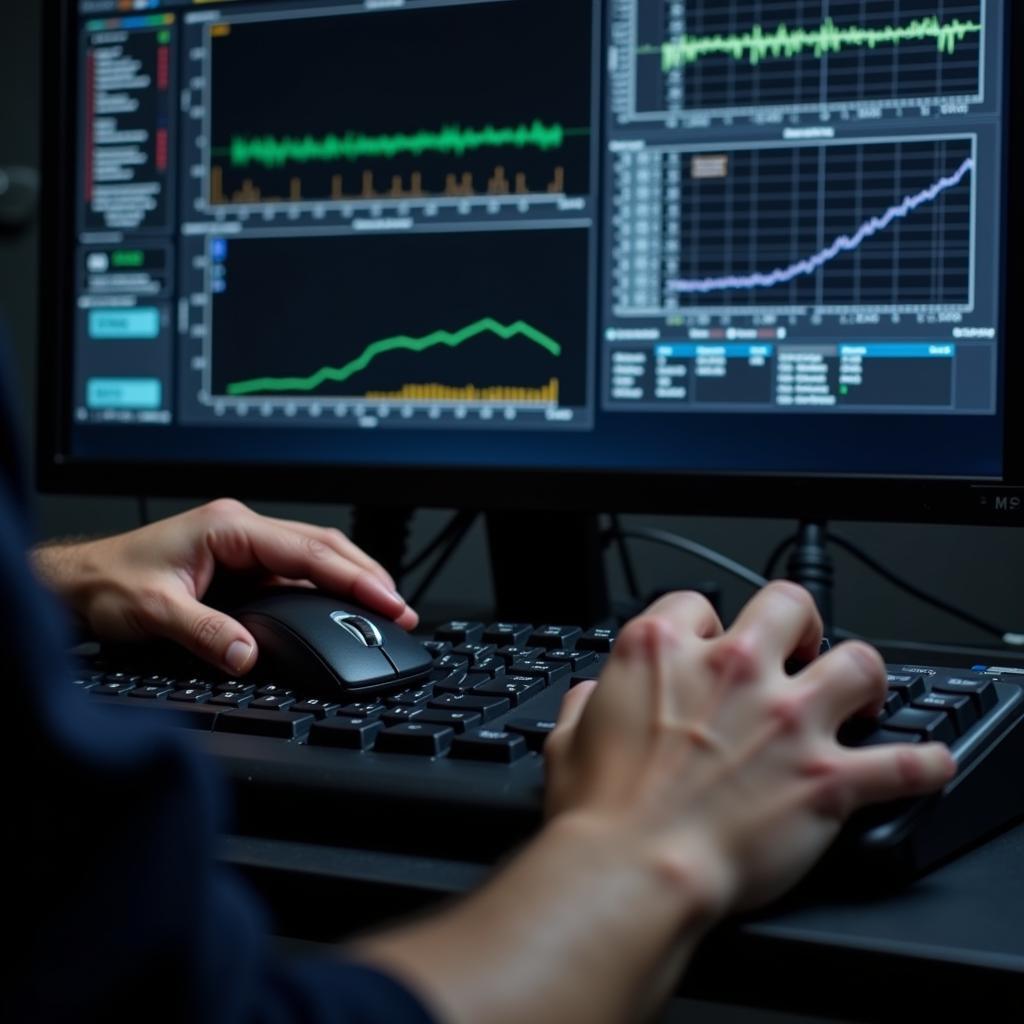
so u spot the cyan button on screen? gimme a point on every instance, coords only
(123, 393)
(142, 322)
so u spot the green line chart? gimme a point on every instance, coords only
(749, 57)
(451, 339)
(451, 140)
(759, 43)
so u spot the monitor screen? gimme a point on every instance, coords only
(661, 237)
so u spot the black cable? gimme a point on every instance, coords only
(914, 591)
(449, 549)
(777, 552)
(624, 557)
(456, 523)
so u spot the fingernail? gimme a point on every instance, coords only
(238, 655)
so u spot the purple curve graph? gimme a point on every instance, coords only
(842, 244)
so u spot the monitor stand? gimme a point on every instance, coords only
(810, 565)
(548, 567)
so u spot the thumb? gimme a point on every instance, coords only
(212, 635)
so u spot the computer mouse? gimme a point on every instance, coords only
(330, 648)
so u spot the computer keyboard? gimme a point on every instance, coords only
(452, 765)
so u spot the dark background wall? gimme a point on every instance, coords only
(982, 569)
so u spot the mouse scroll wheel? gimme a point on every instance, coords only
(362, 629)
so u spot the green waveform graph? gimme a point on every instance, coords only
(759, 44)
(451, 139)
(341, 374)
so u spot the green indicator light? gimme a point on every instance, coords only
(844, 390)
(128, 258)
(163, 37)
(450, 139)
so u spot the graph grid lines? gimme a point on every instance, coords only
(757, 56)
(881, 224)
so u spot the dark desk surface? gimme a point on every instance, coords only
(952, 940)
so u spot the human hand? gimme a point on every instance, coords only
(696, 741)
(151, 582)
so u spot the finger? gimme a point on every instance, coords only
(891, 772)
(689, 613)
(211, 635)
(573, 704)
(850, 679)
(779, 622)
(253, 542)
(342, 544)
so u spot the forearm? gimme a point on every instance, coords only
(588, 923)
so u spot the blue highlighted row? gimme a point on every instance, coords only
(127, 393)
(899, 351)
(732, 350)
(140, 323)
(874, 350)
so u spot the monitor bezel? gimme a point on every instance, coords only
(817, 496)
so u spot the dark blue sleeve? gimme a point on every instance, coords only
(115, 906)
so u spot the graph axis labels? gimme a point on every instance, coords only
(763, 271)
(752, 47)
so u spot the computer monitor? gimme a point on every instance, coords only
(658, 255)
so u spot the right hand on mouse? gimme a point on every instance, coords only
(698, 740)
(151, 581)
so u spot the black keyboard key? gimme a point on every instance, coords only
(438, 648)
(908, 686)
(349, 733)
(475, 652)
(492, 667)
(234, 686)
(191, 695)
(534, 730)
(87, 682)
(460, 631)
(460, 721)
(507, 634)
(930, 725)
(574, 659)
(232, 700)
(122, 677)
(273, 702)
(512, 653)
(549, 671)
(316, 706)
(151, 692)
(487, 706)
(879, 737)
(200, 717)
(450, 663)
(981, 691)
(110, 688)
(516, 688)
(459, 681)
(363, 709)
(428, 739)
(893, 702)
(489, 745)
(582, 677)
(553, 637)
(278, 724)
(274, 690)
(960, 709)
(410, 698)
(601, 640)
(396, 716)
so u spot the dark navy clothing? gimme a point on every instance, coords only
(115, 907)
